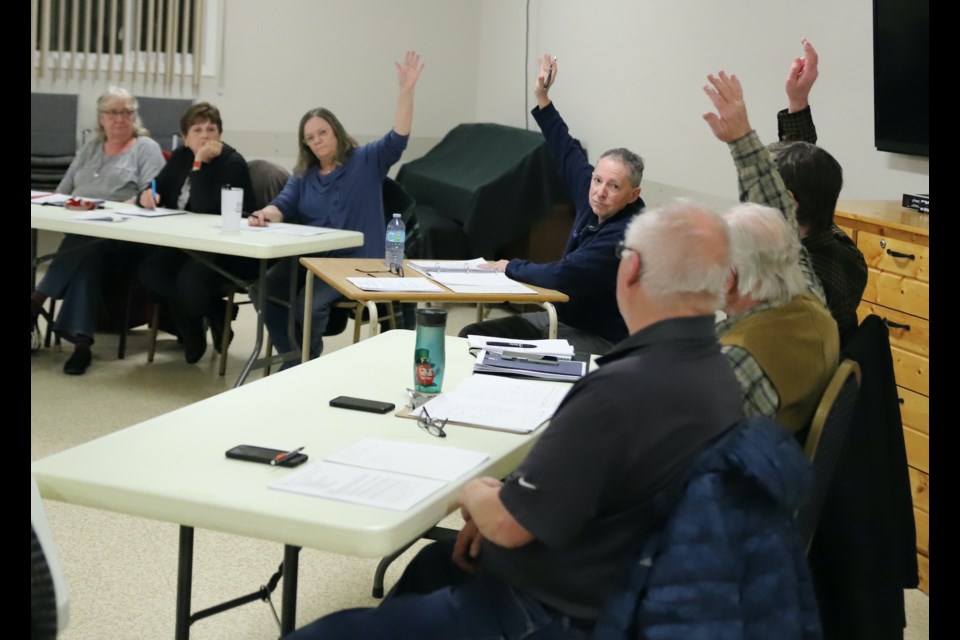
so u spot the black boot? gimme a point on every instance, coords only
(217, 313)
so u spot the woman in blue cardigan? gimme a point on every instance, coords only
(337, 184)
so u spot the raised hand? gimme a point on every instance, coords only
(803, 73)
(730, 122)
(546, 77)
(409, 72)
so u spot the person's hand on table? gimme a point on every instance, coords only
(148, 200)
(263, 217)
(499, 265)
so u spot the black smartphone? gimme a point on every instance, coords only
(362, 404)
(264, 455)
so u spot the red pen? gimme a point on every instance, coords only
(283, 456)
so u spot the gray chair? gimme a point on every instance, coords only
(53, 138)
(162, 117)
(828, 432)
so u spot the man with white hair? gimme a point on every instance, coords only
(556, 534)
(780, 339)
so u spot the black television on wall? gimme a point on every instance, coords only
(901, 76)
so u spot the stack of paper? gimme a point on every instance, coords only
(498, 403)
(382, 473)
(543, 367)
(426, 266)
(466, 276)
(156, 212)
(394, 284)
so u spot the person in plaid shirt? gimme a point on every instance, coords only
(814, 179)
(778, 336)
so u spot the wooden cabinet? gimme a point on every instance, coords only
(896, 244)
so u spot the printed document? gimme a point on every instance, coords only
(368, 487)
(394, 284)
(426, 266)
(157, 212)
(494, 402)
(382, 473)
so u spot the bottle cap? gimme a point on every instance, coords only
(396, 215)
(432, 317)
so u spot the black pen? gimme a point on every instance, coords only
(518, 345)
(554, 363)
(283, 456)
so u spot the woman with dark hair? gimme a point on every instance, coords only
(337, 184)
(115, 165)
(191, 181)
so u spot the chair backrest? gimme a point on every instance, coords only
(267, 180)
(161, 116)
(828, 432)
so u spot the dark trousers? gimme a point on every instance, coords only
(435, 600)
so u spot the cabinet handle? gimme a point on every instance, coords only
(900, 400)
(896, 325)
(897, 254)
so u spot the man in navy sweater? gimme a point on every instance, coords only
(606, 198)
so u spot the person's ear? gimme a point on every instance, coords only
(635, 194)
(731, 284)
(636, 267)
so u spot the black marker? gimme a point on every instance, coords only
(546, 83)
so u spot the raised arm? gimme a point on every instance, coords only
(795, 123)
(407, 75)
(546, 76)
(757, 173)
(803, 73)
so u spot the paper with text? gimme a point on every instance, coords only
(99, 216)
(157, 212)
(426, 460)
(286, 228)
(369, 487)
(508, 404)
(394, 284)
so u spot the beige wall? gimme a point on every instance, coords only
(630, 74)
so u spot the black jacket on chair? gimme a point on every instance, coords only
(864, 550)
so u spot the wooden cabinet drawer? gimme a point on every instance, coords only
(914, 410)
(911, 371)
(923, 566)
(922, 521)
(906, 331)
(918, 449)
(898, 292)
(920, 489)
(894, 255)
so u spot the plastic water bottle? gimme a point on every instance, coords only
(396, 239)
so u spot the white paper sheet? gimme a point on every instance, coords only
(100, 215)
(286, 228)
(508, 404)
(394, 284)
(425, 460)
(52, 198)
(157, 212)
(346, 483)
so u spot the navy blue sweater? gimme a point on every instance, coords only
(587, 272)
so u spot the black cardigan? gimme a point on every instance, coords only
(227, 169)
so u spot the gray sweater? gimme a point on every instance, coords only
(95, 175)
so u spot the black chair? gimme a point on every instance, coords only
(828, 432)
(267, 180)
